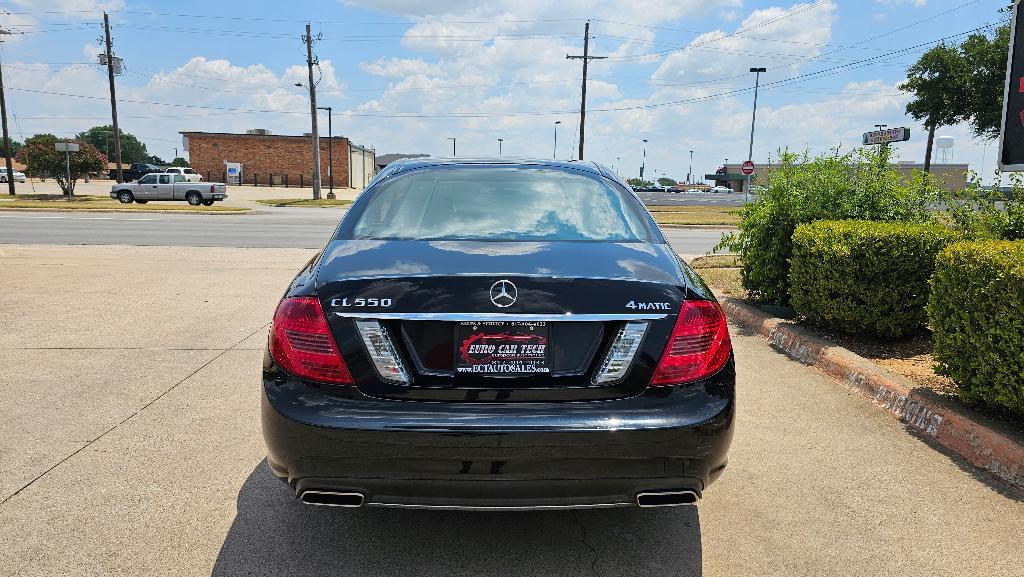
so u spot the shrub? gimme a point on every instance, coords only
(859, 185)
(976, 311)
(989, 214)
(865, 277)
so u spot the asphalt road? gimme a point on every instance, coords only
(130, 445)
(684, 199)
(269, 227)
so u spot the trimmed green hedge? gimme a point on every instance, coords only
(865, 277)
(977, 315)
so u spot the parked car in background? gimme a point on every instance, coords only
(134, 171)
(165, 186)
(190, 175)
(16, 176)
(721, 189)
(692, 191)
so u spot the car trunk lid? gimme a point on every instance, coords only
(498, 321)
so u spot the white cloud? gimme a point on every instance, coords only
(399, 67)
(205, 89)
(779, 43)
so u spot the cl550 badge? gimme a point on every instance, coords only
(369, 303)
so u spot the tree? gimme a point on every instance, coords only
(985, 59)
(15, 146)
(157, 160)
(41, 158)
(102, 138)
(665, 181)
(639, 182)
(179, 161)
(938, 81)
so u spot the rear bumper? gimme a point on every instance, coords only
(523, 455)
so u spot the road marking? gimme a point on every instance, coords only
(80, 217)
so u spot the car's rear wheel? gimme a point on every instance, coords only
(141, 201)
(194, 198)
(3, 179)
(125, 197)
(208, 202)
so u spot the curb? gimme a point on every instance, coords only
(722, 227)
(999, 455)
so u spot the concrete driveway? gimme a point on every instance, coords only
(130, 445)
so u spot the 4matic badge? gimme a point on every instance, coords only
(642, 306)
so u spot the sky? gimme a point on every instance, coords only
(405, 76)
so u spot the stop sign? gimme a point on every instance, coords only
(748, 168)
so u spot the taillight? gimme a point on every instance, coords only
(699, 345)
(212, 187)
(302, 344)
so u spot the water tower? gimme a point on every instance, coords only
(945, 144)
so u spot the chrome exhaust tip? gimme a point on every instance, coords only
(666, 498)
(331, 498)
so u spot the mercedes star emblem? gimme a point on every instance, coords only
(503, 293)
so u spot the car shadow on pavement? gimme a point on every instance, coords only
(274, 534)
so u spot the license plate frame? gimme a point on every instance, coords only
(502, 348)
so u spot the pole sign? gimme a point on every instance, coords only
(748, 168)
(1011, 138)
(67, 147)
(886, 136)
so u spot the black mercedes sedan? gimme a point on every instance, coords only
(498, 335)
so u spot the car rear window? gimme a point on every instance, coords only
(502, 204)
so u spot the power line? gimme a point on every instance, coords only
(793, 80)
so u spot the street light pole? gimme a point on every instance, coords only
(554, 154)
(753, 123)
(689, 175)
(330, 151)
(643, 163)
(500, 140)
(453, 146)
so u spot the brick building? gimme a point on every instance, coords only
(275, 159)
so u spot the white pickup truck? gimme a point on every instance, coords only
(164, 186)
(190, 175)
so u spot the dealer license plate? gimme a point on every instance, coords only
(502, 347)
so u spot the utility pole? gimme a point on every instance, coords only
(500, 140)
(643, 163)
(7, 137)
(308, 39)
(753, 123)
(583, 100)
(330, 151)
(554, 153)
(113, 96)
(689, 175)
